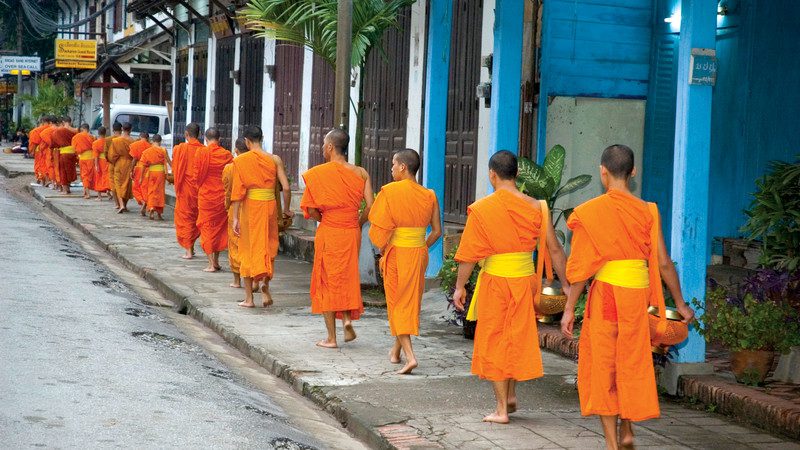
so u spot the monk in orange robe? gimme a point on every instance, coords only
(34, 141)
(82, 144)
(333, 195)
(503, 230)
(616, 238)
(120, 156)
(155, 162)
(46, 147)
(101, 167)
(399, 219)
(116, 130)
(64, 154)
(240, 147)
(139, 190)
(255, 212)
(212, 218)
(184, 171)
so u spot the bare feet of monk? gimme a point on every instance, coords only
(410, 365)
(349, 332)
(496, 418)
(326, 344)
(234, 285)
(246, 304)
(188, 255)
(211, 269)
(512, 405)
(143, 211)
(86, 196)
(266, 297)
(160, 217)
(394, 356)
(625, 434)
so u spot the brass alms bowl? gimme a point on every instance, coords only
(676, 331)
(551, 301)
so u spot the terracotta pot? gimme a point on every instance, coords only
(751, 366)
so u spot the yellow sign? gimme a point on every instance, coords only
(76, 54)
(67, 64)
(16, 72)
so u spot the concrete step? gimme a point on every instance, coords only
(297, 243)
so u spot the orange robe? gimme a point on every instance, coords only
(212, 219)
(82, 143)
(65, 162)
(615, 366)
(336, 192)
(233, 240)
(402, 204)
(48, 166)
(101, 178)
(258, 223)
(155, 180)
(506, 341)
(34, 140)
(138, 189)
(119, 155)
(183, 169)
(107, 150)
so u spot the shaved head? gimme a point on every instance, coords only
(410, 158)
(144, 135)
(85, 126)
(212, 134)
(339, 139)
(504, 164)
(193, 130)
(102, 131)
(157, 138)
(240, 145)
(618, 161)
(116, 126)
(127, 127)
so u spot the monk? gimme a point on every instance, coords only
(255, 212)
(64, 154)
(119, 155)
(138, 190)
(34, 140)
(155, 162)
(233, 240)
(333, 195)
(212, 218)
(399, 219)
(116, 130)
(46, 147)
(82, 144)
(502, 230)
(184, 171)
(101, 182)
(616, 238)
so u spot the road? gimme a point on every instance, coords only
(88, 363)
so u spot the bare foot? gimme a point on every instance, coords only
(246, 304)
(211, 269)
(86, 196)
(496, 418)
(188, 256)
(394, 358)
(406, 370)
(349, 332)
(160, 218)
(234, 285)
(626, 435)
(266, 297)
(326, 344)
(512, 405)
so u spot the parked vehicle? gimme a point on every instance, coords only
(150, 118)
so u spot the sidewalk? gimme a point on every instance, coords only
(440, 406)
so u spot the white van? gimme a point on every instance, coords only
(150, 118)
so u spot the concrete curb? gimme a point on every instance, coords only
(190, 305)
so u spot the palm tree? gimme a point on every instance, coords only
(312, 24)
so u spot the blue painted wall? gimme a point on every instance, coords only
(593, 48)
(756, 103)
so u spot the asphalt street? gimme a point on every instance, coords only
(87, 364)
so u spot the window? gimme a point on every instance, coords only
(166, 126)
(140, 122)
(98, 121)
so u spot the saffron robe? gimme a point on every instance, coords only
(155, 180)
(82, 144)
(34, 140)
(402, 204)
(212, 219)
(101, 174)
(615, 366)
(107, 147)
(258, 223)
(47, 154)
(138, 189)
(183, 169)
(506, 338)
(119, 155)
(336, 192)
(233, 240)
(66, 163)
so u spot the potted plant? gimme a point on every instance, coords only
(754, 323)
(448, 275)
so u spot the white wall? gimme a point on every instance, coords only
(482, 186)
(305, 116)
(268, 98)
(236, 63)
(416, 76)
(211, 76)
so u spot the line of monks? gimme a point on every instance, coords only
(234, 203)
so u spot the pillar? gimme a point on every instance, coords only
(506, 76)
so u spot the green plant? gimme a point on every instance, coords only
(747, 322)
(774, 216)
(50, 98)
(448, 275)
(544, 182)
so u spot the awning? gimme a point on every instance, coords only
(114, 71)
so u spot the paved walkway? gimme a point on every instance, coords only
(441, 405)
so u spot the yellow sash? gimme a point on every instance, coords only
(156, 168)
(102, 156)
(261, 194)
(67, 150)
(409, 237)
(86, 156)
(506, 265)
(627, 273)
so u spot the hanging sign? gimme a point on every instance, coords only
(76, 54)
(703, 67)
(221, 26)
(24, 63)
